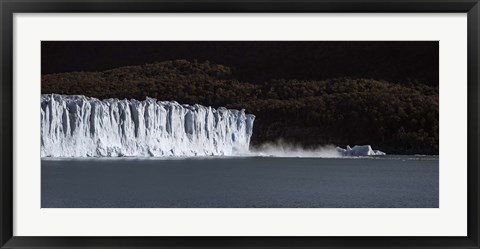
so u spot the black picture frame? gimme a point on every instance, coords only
(9, 7)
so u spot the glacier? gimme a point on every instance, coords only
(360, 150)
(80, 126)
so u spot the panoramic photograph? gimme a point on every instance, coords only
(239, 124)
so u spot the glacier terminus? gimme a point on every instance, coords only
(79, 126)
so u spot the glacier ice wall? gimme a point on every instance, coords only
(79, 126)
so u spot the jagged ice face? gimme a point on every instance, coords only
(79, 126)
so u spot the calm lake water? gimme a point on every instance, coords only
(250, 182)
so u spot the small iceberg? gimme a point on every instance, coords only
(360, 150)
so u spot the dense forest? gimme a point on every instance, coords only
(395, 117)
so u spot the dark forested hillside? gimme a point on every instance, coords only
(396, 118)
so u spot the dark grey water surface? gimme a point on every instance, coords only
(392, 181)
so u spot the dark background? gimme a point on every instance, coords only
(307, 93)
(259, 61)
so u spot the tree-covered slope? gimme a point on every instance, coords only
(396, 118)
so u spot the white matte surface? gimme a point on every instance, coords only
(450, 219)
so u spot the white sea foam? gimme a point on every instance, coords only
(283, 149)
